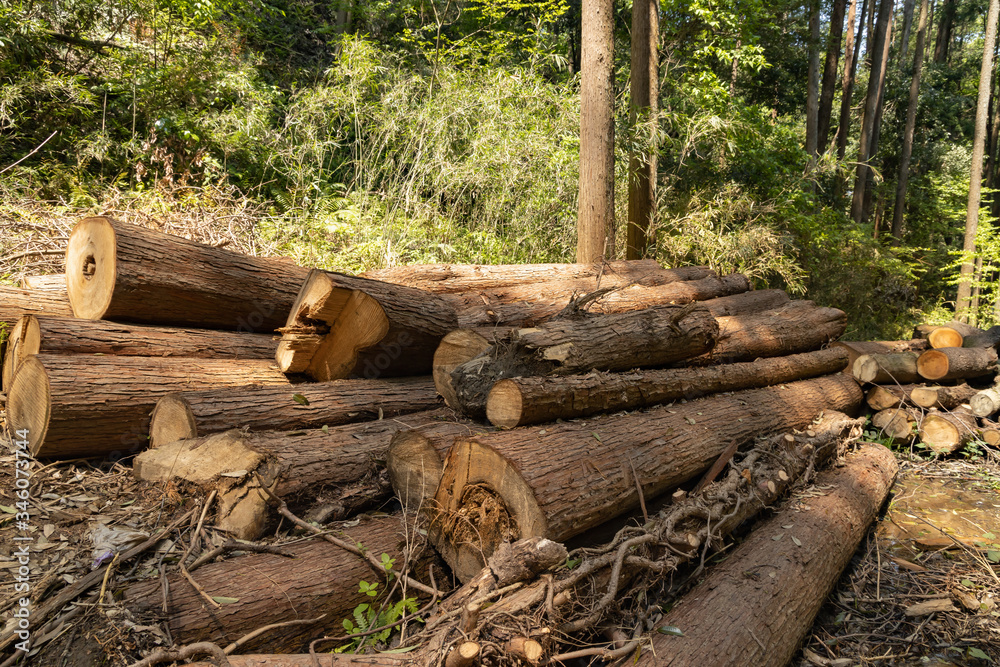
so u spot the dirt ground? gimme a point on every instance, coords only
(937, 546)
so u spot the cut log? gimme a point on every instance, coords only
(756, 606)
(892, 368)
(458, 347)
(956, 363)
(118, 271)
(530, 305)
(193, 414)
(947, 432)
(523, 482)
(988, 338)
(645, 338)
(16, 303)
(799, 326)
(314, 579)
(856, 349)
(79, 405)
(340, 466)
(944, 337)
(943, 398)
(329, 659)
(54, 283)
(990, 432)
(414, 463)
(898, 424)
(985, 403)
(747, 303)
(534, 400)
(883, 397)
(45, 334)
(341, 325)
(963, 329)
(454, 278)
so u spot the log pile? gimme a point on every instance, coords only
(670, 405)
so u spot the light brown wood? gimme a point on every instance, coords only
(651, 337)
(463, 655)
(943, 398)
(883, 397)
(307, 405)
(118, 271)
(525, 649)
(342, 325)
(50, 334)
(892, 368)
(534, 400)
(956, 363)
(16, 303)
(856, 349)
(963, 329)
(985, 403)
(80, 405)
(947, 432)
(414, 463)
(898, 424)
(523, 482)
(944, 337)
(55, 282)
(727, 621)
(456, 348)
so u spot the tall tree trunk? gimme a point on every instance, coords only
(911, 123)
(847, 87)
(875, 82)
(963, 302)
(830, 71)
(904, 38)
(595, 221)
(812, 90)
(643, 114)
(945, 23)
(869, 195)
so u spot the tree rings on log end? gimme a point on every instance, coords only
(23, 341)
(944, 337)
(933, 365)
(172, 420)
(29, 403)
(504, 404)
(481, 502)
(455, 349)
(91, 267)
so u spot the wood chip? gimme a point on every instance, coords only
(929, 607)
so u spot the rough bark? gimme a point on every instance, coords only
(44, 334)
(946, 20)
(956, 363)
(535, 400)
(830, 71)
(358, 326)
(946, 432)
(315, 579)
(799, 326)
(988, 338)
(75, 405)
(756, 606)
(899, 424)
(53, 283)
(904, 37)
(963, 302)
(596, 215)
(643, 116)
(197, 413)
(525, 482)
(747, 303)
(118, 271)
(339, 468)
(852, 50)
(812, 83)
(638, 339)
(889, 396)
(892, 368)
(943, 398)
(856, 349)
(16, 303)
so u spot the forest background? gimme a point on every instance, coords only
(355, 135)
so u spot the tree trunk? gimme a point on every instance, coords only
(946, 432)
(889, 396)
(856, 349)
(357, 326)
(943, 398)
(457, 278)
(643, 116)
(535, 400)
(193, 414)
(985, 403)
(891, 368)
(876, 81)
(956, 363)
(337, 468)
(904, 38)
(727, 620)
(46, 283)
(847, 84)
(44, 334)
(946, 22)
(899, 207)
(830, 70)
(898, 424)
(526, 482)
(73, 405)
(312, 579)
(988, 338)
(812, 85)
(329, 659)
(637, 339)
(596, 217)
(963, 302)
(118, 271)
(747, 303)
(528, 305)
(799, 326)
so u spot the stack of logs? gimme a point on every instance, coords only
(576, 395)
(935, 391)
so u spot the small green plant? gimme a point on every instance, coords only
(372, 615)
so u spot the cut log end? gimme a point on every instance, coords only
(22, 342)
(91, 267)
(414, 467)
(455, 349)
(944, 337)
(29, 403)
(172, 420)
(504, 406)
(933, 365)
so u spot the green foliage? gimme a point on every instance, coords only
(369, 616)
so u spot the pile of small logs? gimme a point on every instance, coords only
(575, 397)
(935, 391)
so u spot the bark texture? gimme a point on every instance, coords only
(645, 92)
(16, 303)
(54, 283)
(856, 349)
(892, 368)
(943, 398)
(946, 432)
(956, 363)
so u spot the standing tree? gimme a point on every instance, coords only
(812, 89)
(911, 122)
(830, 69)
(945, 24)
(643, 114)
(847, 88)
(904, 38)
(596, 213)
(964, 302)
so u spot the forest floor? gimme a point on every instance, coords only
(921, 590)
